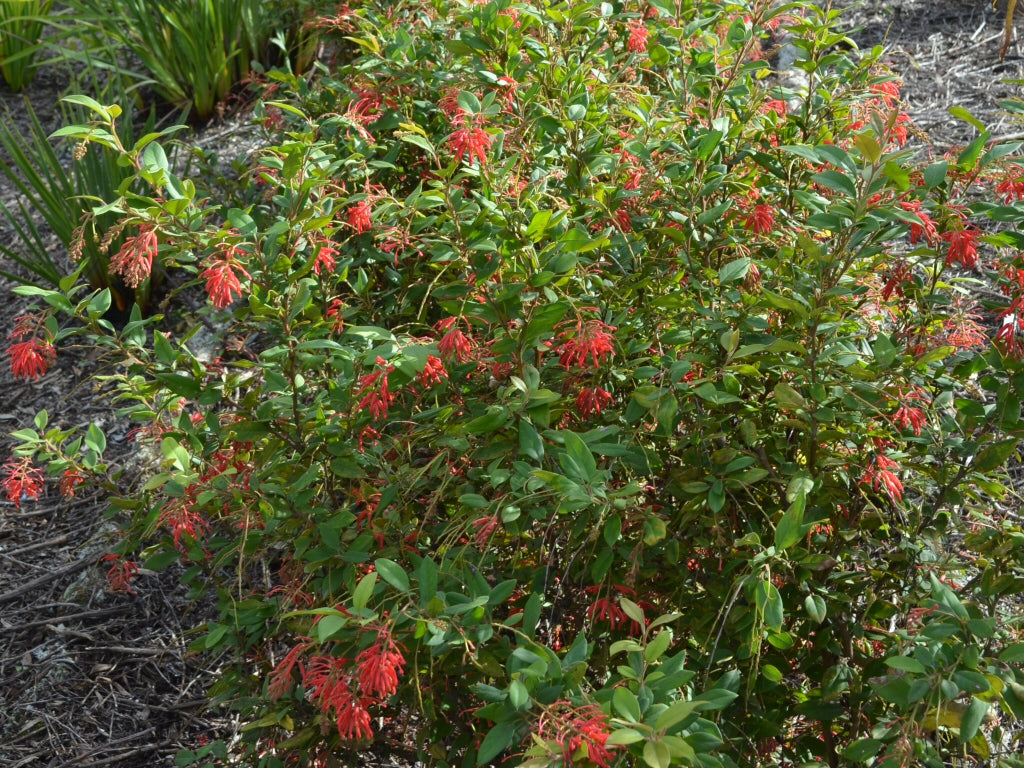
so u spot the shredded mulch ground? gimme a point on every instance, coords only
(93, 678)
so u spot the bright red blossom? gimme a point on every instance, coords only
(21, 480)
(592, 400)
(761, 220)
(880, 476)
(182, 520)
(378, 667)
(963, 247)
(134, 261)
(31, 359)
(359, 217)
(470, 141)
(589, 341)
(325, 260)
(222, 276)
(454, 345)
(638, 34)
(577, 730)
(121, 573)
(329, 686)
(373, 388)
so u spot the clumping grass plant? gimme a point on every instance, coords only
(21, 28)
(193, 53)
(585, 398)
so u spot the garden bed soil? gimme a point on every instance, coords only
(93, 678)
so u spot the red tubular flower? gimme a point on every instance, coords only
(761, 220)
(378, 667)
(471, 141)
(222, 282)
(329, 685)
(134, 262)
(280, 680)
(485, 526)
(373, 387)
(638, 34)
(880, 476)
(182, 520)
(359, 217)
(31, 359)
(592, 400)
(963, 248)
(325, 260)
(454, 345)
(433, 372)
(590, 340)
(924, 230)
(70, 480)
(21, 480)
(121, 573)
(578, 730)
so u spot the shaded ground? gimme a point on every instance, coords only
(90, 678)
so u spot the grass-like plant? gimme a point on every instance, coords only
(21, 26)
(57, 193)
(193, 53)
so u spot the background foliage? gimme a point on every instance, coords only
(584, 397)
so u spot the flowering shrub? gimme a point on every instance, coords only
(585, 398)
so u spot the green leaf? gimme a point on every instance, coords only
(994, 455)
(632, 610)
(769, 604)
(789, 399)
(1012, 653)
(626, 704)
(735, 270)
(328, 626)
(674, 715)
(498, 739)
(862, 750)
(392, 573)
(518, 696)
(973, 718)
(578, 462)
(657, 647)
(624, 736)
(906, 664)
(815, 607)
(656, 754)
(363, 591)
(868, 146)
(790, 528)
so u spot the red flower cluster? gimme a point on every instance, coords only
(454, 345)
(573, 729)
(134, 262)
(181, 519)
(638, 34)
(222, 276)
(32, 353)
(21, 480)
(880, 476)
(433, 372)
(341, 693)
(592, 400)
(908, 415)
(378, 667)
(359, 217)
(761, 220)
(325, 259)
(470, 140)
(121, 573)
(373, 388)
(963, 247)
(590, 340)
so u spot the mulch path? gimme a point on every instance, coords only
(93, 678)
